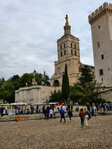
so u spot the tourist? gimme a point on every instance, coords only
(47, 112)
(62, 114)
(37, 109)
(70, 113)
(93, 112)
(2, 110)
(54, 112)
(32, 109)
(87, 116)
(88, 107)
(51, 113)
(82, 117)
(97, 107)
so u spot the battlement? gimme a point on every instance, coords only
(106, 7)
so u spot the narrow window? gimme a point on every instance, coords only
(60, 47)
(64, 52)
(98, 44)
(61, 54)
(75, 53)
(99, 26)
(75, 45)
(71, 52)
(71, 45)
(102, 56)
(64, 45)
(101, 72)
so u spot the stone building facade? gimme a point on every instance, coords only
(68, 53)
(101, 27)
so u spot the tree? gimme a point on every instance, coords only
(65, 85)
(87, 90)
(56, 96)
(2, 80)
(86, 75)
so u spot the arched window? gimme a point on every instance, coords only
(71, 45)
(60, 47)
(64, 52)
(56, 83)
(75, 53)
(64, 45)
(75, 45)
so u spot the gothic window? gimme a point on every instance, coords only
(61, 54)
(64, 52)
(75, 53)
(64, 45)
(98, 44)
(102, 56)
(71, 45)
(71, 52)
(60, 47)
(101, 72)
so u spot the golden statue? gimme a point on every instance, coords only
(67, 20)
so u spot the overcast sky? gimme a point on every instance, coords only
(29, 30)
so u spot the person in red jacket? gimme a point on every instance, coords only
(82, 117)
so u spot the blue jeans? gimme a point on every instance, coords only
(82, 121)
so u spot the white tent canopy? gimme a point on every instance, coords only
(19, 104)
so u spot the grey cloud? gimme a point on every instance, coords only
(29, 31)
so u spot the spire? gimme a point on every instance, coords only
(67, 27)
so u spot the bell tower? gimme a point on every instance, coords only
(68, 53)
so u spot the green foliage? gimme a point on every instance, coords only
(87, 90)
(65, 85)
(56, 96)
(86, 75)
(83, 94)
(2, 80)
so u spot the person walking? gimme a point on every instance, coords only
(62, 114)
(93, 112)
(51, 113)
(82, 117)
(70, 113)
(87, 117)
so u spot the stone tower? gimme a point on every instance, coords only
(68, 53)
(101, 27)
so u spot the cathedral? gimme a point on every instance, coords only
(68, 53)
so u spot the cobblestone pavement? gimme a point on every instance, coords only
(50, 134)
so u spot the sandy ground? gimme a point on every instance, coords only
(50, 134)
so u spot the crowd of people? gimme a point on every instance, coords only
(50, 111)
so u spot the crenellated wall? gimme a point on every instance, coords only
(105, 8)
